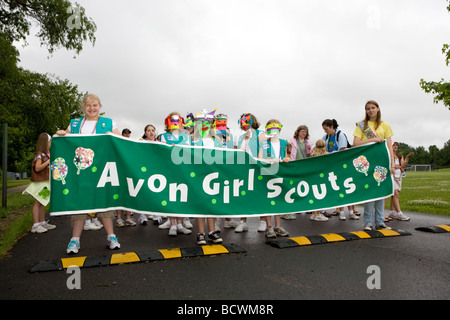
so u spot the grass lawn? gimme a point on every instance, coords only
(427, 192)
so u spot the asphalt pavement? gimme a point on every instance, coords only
(414, 266)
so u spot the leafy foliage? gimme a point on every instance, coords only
(440, 89)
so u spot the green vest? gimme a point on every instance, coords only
(253, 143)
(183, 138)
(104, 125)
(269, 153)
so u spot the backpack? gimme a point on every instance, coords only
(337, 138)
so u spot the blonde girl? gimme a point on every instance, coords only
(91, 123)
(319, 149)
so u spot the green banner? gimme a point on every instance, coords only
(95, 173)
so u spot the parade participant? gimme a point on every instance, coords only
(91, 123)
(39, 187)
(249, 142)
(373, 129)
(335, 141)
(173, 135)
(319, 149)
(396, 212)
(274, 149)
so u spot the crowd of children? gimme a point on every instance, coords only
(209, 129)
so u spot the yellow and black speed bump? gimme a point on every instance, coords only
(442, 228)
(334, 237)
(134, 257)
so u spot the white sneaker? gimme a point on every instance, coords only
(262, 226)
(270, 233)
(113, 243)
(120, 223)
(318, 217)
(97, 223)
(242, 226)
(130, 222)
(91, 226)
(183, 230)
(400, 216)
(38, 229)
(142, 219)
(342, 216)
(165, 225)
(230, 224)
(173, 231)
(353, 216)
(73, 246)
(187, 223)
(48, 226)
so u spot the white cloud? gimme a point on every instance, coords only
(298, 61)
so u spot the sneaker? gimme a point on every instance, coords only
(242, 226)
(383, 227)
(187, 223)
(119, 223)
(113, 243)
(73, 247)
(270, 233)
(367, 228)
(157, 220)
(97, 223)
(353, 216)
(230, 224)
(342, 216)
(262, 226)
(130, 222)
(216, 226)
(201, 238)
(91, 227)
(279, 231)
(142, 219)
(183, 230)
(173, 231)
(48, 226)
(214, 237)
(318, 217)
(38, 229)
(400, 216)
(165, 225)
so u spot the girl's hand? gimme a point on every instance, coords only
(377, 139)
(287, 159)
(61, 132)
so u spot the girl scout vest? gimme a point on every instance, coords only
(253, 142)
(183, 138)
(269, 153)
(104, 125)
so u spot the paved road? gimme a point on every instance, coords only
(415, 266)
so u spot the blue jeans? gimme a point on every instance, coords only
(374, 209)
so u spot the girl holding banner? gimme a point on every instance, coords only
(91, 123)
(274, 149)
(373, 129)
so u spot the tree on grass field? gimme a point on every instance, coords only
(440, 89)
(31, 102)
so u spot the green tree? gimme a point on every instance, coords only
(30, 102)
(440, 89)
(59, 23)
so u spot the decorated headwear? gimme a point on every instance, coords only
(221, 123)
(203, 121)
(189, 120)
(273, 129)
(174, 122)
(245, 121)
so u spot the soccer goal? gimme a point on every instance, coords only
(420, 167)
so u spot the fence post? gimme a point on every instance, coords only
(5, 164)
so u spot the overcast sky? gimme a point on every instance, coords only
(300, 62)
